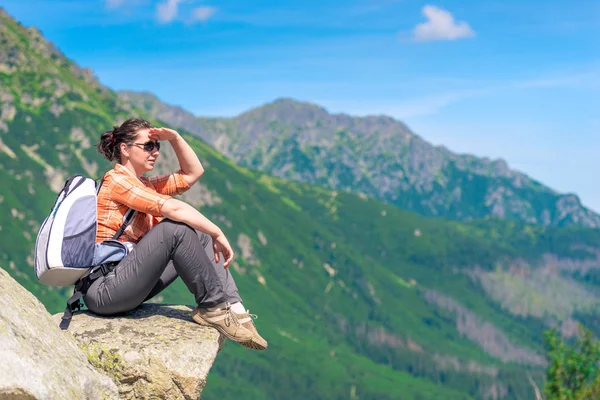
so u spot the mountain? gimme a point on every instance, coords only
(377, 156)
(358, 298)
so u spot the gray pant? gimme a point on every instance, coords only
(169, 250)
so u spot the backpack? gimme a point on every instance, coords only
(65, 249)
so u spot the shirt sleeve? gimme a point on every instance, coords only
(137, 196)
(169, 184)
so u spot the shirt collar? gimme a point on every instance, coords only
(120, 169)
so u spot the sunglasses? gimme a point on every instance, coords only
(148, 146)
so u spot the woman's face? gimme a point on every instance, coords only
(142, 159)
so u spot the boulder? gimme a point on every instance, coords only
(155, 351)
(38, 360)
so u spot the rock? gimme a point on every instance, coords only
(155, 351)
(39, 361)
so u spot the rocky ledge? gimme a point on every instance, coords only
(155, 351)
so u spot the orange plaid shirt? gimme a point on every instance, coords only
(122, 190)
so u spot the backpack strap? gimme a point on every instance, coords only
(129, 216)
(81, 288)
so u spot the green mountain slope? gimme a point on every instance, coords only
(358, 299)
(377, 156)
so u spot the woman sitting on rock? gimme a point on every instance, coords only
(167, 237)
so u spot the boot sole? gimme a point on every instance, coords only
(200, 321)
(253, 345)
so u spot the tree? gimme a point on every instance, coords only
(572, 372)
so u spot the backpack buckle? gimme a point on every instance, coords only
(107, 268)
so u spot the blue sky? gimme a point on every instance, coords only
(504, 79)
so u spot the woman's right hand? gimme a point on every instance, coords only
(221, 245)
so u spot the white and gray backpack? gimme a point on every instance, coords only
(66, 252)
(66, 247)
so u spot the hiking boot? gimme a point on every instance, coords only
(257, 342)
(223, 320)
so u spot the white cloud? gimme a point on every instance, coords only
(406, 108)
(167, 11)
(429, 105)
(114, 3)
(432, 104)
(440, 25)
(203, 13)
(566, 79)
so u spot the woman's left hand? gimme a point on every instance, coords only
(162, 134)
(221, 245)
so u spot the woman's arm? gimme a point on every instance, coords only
(188, 160)
(180, 211)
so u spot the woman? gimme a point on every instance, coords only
(167, 237)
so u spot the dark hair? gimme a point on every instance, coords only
(109, 142)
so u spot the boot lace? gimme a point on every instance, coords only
(230, 317)
(253, 316)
